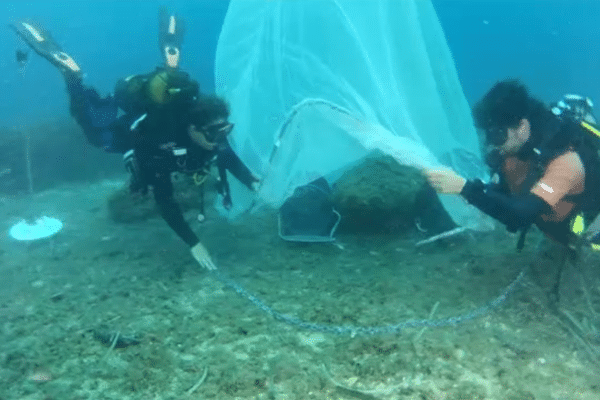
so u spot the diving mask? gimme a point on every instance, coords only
(217, 132)
(495, 136)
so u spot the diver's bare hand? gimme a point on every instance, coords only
(445, 180)
(201, 255)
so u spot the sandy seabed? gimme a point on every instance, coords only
(63, 302)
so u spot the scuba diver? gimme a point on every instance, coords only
(546, 168)
(159, 121)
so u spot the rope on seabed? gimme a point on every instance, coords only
(372, 330)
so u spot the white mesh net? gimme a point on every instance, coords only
(317, 85)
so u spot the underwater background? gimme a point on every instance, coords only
(550, 44)
(116, 271)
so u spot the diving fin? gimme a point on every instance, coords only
(170, 37)
(42, 43)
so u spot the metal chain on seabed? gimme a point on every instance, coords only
(372, 330)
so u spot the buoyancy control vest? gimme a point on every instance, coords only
(564, 133)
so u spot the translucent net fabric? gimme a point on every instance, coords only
(317, 85)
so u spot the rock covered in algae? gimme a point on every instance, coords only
(378, 196)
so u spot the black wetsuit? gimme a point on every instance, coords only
(157, 140)
(520, 210)
(157, 135)
(97, 117)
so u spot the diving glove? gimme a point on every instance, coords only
(201, 255)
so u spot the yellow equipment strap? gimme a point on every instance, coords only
(591, 128)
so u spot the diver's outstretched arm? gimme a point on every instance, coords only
(228, 160)
(171, 213)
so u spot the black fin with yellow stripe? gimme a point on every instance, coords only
(170, 37)
(42, 43)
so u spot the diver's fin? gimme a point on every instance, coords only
(42, 43)
(170, 37)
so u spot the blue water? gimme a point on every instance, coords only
(551, 45)
(109, 40)
(139, 278)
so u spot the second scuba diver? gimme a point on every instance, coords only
(167, 125)
(546, 159)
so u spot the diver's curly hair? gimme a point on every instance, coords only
(208, 108)
(503, 106)
(506, 104)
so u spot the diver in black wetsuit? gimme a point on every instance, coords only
(166, 126)
(189, 142)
